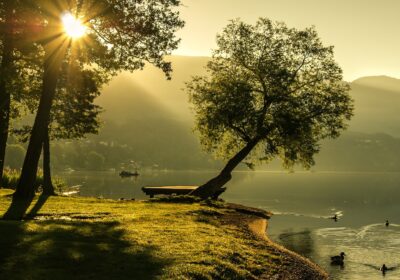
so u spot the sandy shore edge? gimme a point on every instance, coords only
(256, 222)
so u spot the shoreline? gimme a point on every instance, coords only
(177, 236)
(299, 267)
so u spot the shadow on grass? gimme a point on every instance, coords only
(38, 205)
(74, 250)
(18, 208)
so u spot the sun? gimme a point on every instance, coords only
(73, 27)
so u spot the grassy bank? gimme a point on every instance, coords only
(89, 238)
(11, 177)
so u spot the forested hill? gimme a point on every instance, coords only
(377, 105)
(147, 119)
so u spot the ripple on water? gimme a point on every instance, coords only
(367, 248)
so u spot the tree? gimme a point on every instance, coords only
(7, 22)
(18, 66)
(271, 91)
(73, 113)
(121, 35)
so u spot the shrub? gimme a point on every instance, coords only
(11, 177)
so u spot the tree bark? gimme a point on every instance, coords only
(5, 94)
(54, 54)
(214, 187)
(48, 188)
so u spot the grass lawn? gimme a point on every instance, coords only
(89, 238)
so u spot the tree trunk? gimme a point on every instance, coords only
(48, 188)
(5, 94)
(54, 54)
(214, 187)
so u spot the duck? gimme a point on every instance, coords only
(338, 260)
(384, 268)
(387, 223)
(334, 217)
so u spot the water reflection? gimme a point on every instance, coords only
(300, 241)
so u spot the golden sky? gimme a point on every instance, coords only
(365, 33)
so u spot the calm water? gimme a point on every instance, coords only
(302, 203)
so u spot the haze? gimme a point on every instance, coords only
(364, 32)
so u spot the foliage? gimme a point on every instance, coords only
(272, 85)
(15, 156)
(121, 35)
(73, 113)
(11, 177)
(95, 161)
(24, 73)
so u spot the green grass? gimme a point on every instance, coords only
(89, 238)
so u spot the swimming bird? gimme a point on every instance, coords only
(334, 217)
(338, 260)
(384, 269)
(387, 223)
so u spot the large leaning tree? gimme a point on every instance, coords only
(270, 91)
(119, 35)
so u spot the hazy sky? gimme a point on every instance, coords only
(365, 33)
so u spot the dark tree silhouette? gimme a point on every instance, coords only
(121, 35)
(271, 91)
(7, 22)
(19, 66)
(73, 113)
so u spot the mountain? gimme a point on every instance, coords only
(147, 112)
(148, 119)
(377, 105)
(150, 114)
(147, 94)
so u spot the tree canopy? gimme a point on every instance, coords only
(120, 35)
(270, 91)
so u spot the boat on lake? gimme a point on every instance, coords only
(128, 174)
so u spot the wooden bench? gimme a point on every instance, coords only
(168, 190)
(177, 190)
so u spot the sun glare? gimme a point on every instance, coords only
(73, 27)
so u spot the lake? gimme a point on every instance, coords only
(302, 203)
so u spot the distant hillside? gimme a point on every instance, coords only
(359, 152)
(377, 105)
(148, 119)
(147, 94)
(152, 115)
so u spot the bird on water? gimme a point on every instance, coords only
(338, 260)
